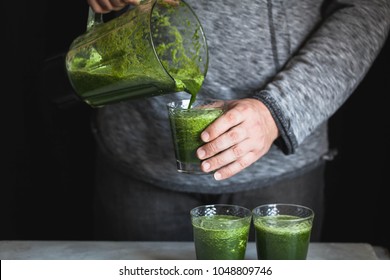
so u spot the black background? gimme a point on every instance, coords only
(47, 149)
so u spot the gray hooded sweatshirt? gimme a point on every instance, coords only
(301, 58)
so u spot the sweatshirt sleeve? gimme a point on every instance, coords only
(326, 70)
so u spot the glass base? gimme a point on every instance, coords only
(189, 168)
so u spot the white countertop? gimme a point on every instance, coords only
(128, 250)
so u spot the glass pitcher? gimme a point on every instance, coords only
(151, 49)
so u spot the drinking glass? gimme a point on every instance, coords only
(220, 231)
(187, 123)
(282, 231)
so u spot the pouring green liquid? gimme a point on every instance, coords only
(139, 54)
(188, 76)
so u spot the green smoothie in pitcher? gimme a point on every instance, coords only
(151, 49)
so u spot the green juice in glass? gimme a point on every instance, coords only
(187, 125)
(220, 237)
(278, 238)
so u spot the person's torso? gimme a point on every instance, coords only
(249, 41)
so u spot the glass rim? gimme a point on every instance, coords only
(310, 212)
(247, 212)
(177, 103)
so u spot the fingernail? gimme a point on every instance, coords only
(201, 153)
(217, 176)
(205, 136)
(206, 165)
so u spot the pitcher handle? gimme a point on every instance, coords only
(94, 19)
